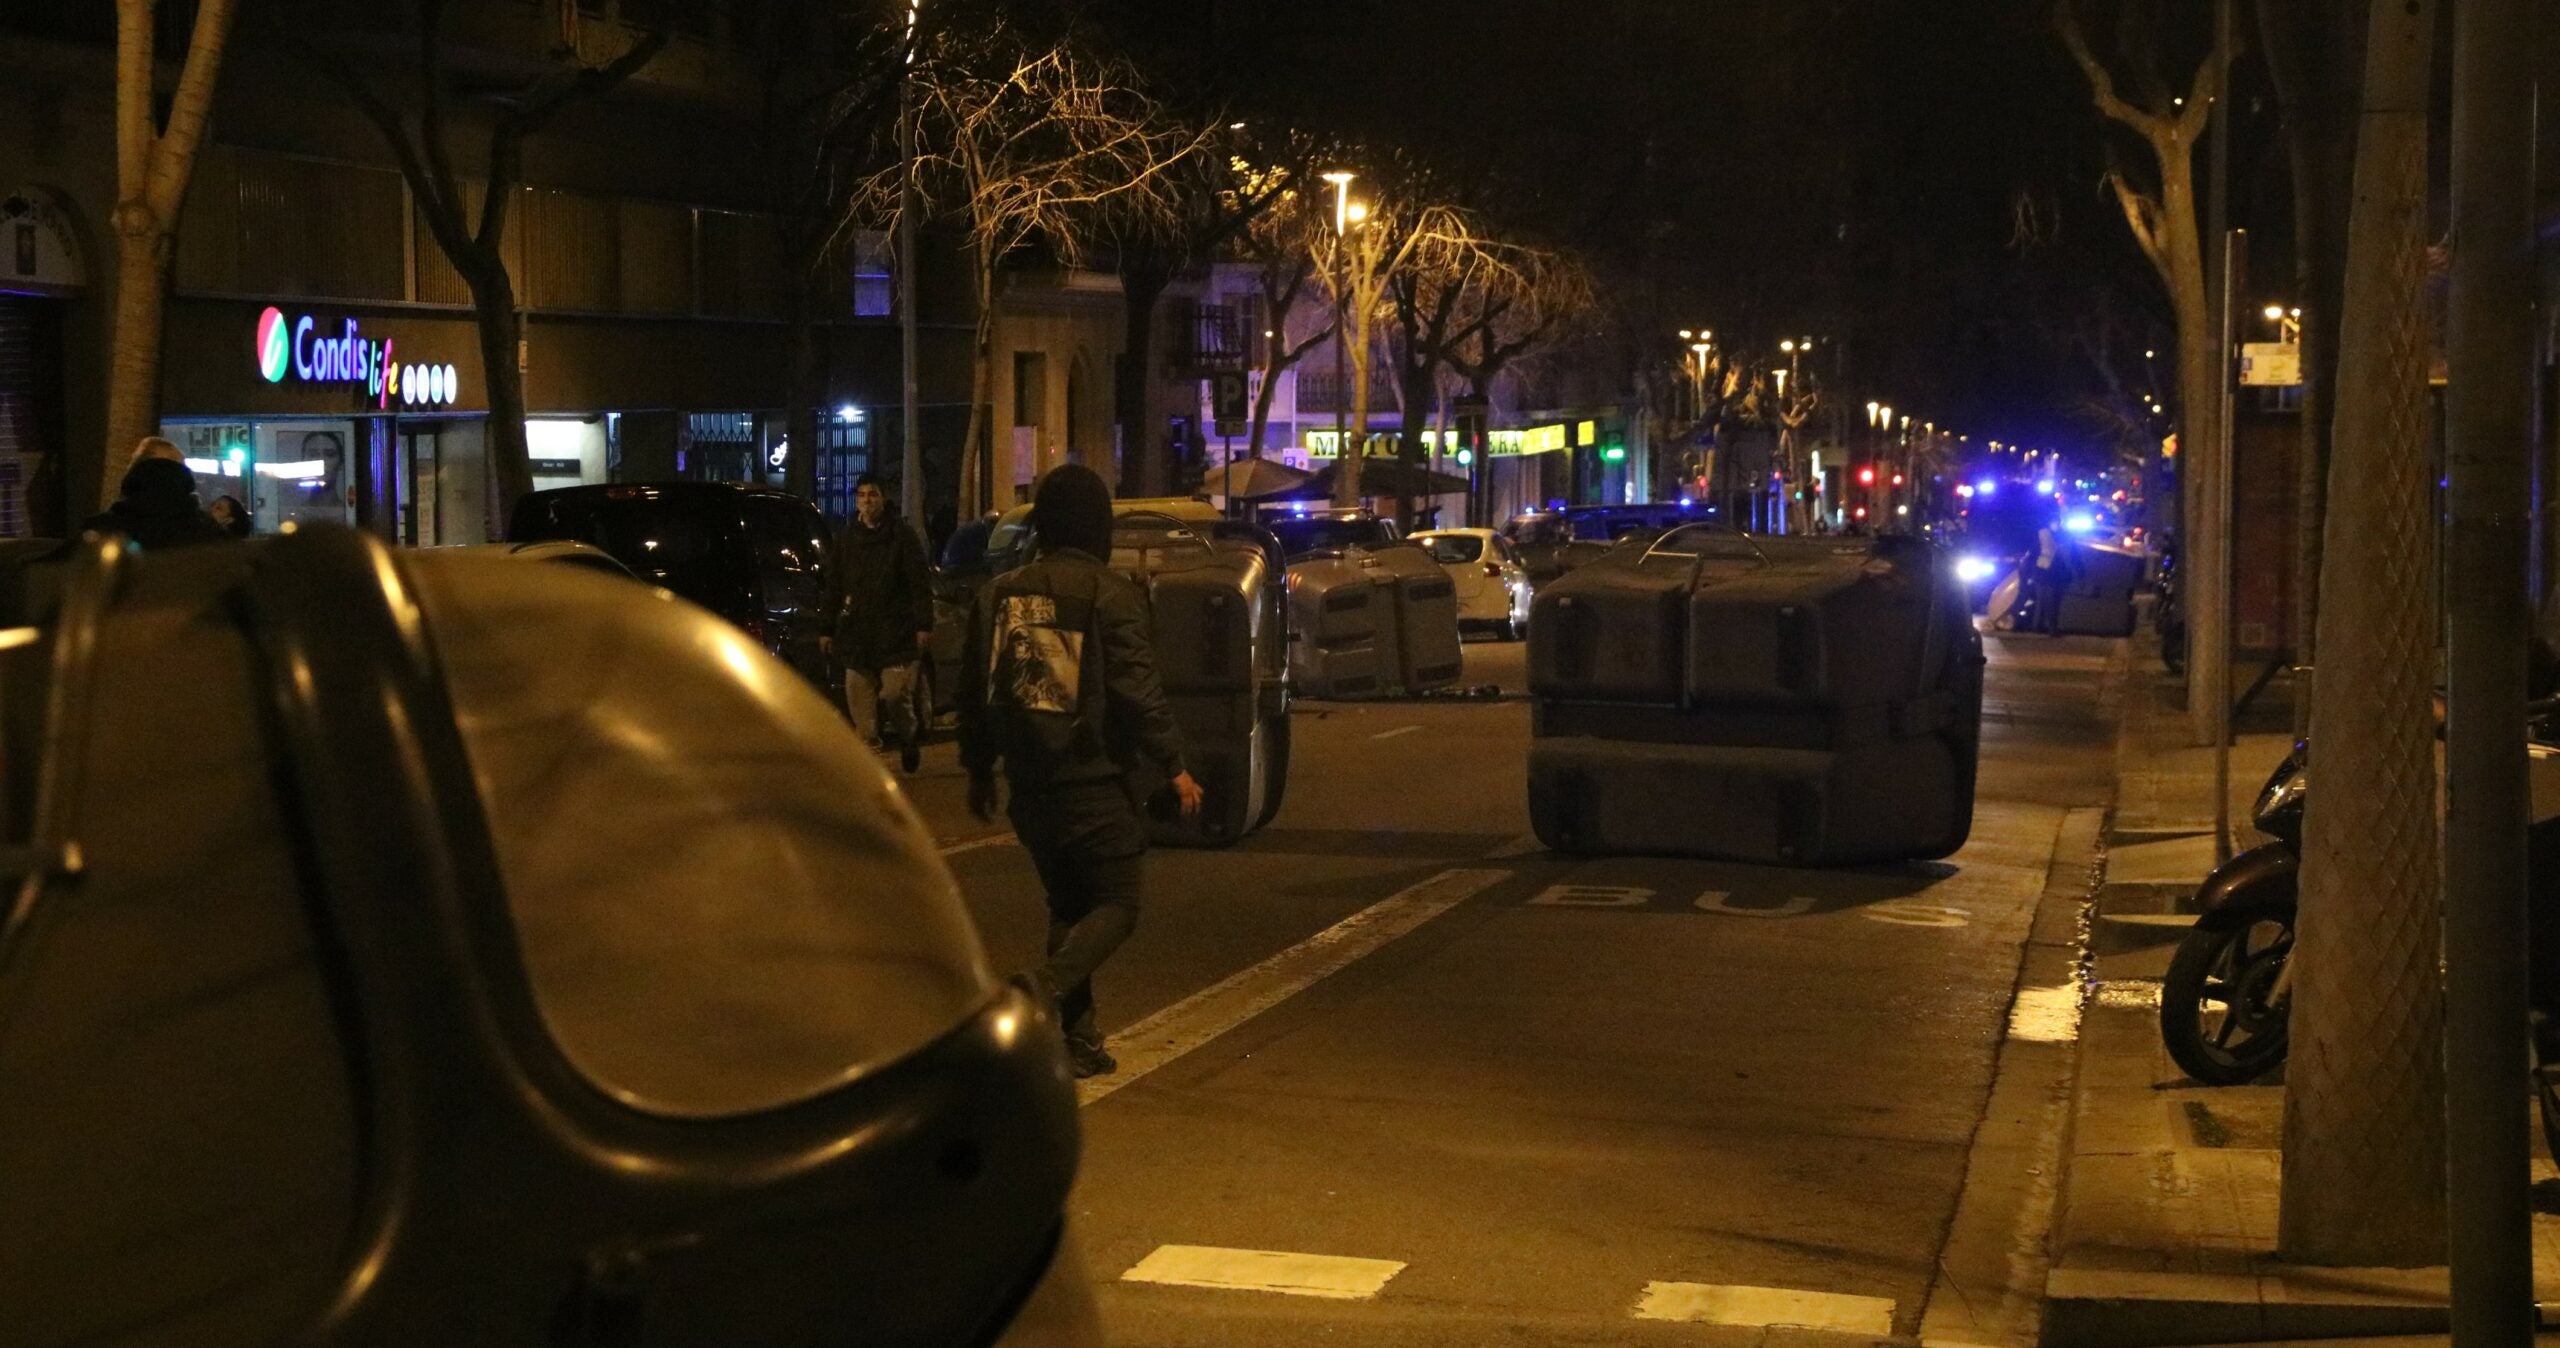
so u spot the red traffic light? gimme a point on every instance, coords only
(1866, 477)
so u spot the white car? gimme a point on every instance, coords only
(1493, 583)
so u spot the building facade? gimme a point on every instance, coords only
(320, 355)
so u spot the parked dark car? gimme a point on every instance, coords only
(460, 951)
(761, 559)
(1305, 534)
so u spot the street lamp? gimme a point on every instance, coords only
(1341, 345)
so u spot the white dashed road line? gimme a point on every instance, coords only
(1728, 1304)
(1399, 730)
(1333, 1276)
(1239, 997)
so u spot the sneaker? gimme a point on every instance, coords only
(911, 755)
(1090, 1059)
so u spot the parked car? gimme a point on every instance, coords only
(1314, 533)
(1553, 542)
(761, 559)
(1493, 585)
(468, 952)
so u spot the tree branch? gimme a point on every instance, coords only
(2102, 83)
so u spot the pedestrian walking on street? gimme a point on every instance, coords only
(1059, 685)
(2048, 569)
(157, 508)
(885, 626)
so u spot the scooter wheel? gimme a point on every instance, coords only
(2219, 1013)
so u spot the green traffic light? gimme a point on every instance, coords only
(1614, 454)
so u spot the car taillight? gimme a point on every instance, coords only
(1493, 569)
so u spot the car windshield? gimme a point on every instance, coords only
(692, 547)
(1452, 548)
(1299, 537)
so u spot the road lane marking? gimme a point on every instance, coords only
(1720, 901)
(1913, 913)
(2046, 1015)
(1239, 997)
(1333, 1276)
(1726, 1304)
(1592, 896)
(1399, 730)
(972, 845)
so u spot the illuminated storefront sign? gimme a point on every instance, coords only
(1498, 444)
(297, 348)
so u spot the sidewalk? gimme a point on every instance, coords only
(2167, 1226)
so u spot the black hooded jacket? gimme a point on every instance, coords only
(888, 594)
(157, 509)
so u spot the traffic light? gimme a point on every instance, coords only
(1614, 454)
(1867, 476)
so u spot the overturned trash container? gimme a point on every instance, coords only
(1221, 643)
(1425, 641)
(416, 950)
(1344, 630)
(1796, 701)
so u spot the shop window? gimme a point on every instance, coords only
(844, 454)
(724, 448)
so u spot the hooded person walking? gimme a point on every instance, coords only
(1059, 686)
(156, 507)
(886, 624)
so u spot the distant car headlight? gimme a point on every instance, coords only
(1972, 569)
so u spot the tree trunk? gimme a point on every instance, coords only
(2364, 1179)
(2202, 550)
(2315, 55)
(1143, 470)
(977, 485)
(493, 302)
(1346, 481)
(133, 371)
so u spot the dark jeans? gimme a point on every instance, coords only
(1088, 843)
(2044, 592)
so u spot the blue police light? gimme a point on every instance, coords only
(1972, 569)
(2045, 487)
(1986, 487)
(2080, 523)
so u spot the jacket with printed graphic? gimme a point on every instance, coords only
(1059, 681)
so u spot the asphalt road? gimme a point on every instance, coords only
(1506, 1097)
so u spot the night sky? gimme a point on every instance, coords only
(1924, 179)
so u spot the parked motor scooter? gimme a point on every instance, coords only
(2169, 613)
(2225, 999)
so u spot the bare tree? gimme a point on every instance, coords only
(153, 163)
(1384, 239)
(2165, 225)
(469, 220)
(1281, 244)
(1026, 144)
(2364, 1177)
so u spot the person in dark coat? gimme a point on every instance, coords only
(1059, 686)
(157, 508)
(230, 514)
(886, 623)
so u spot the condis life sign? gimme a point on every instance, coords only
(298, 349)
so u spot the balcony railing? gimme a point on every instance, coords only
(1213, 340)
